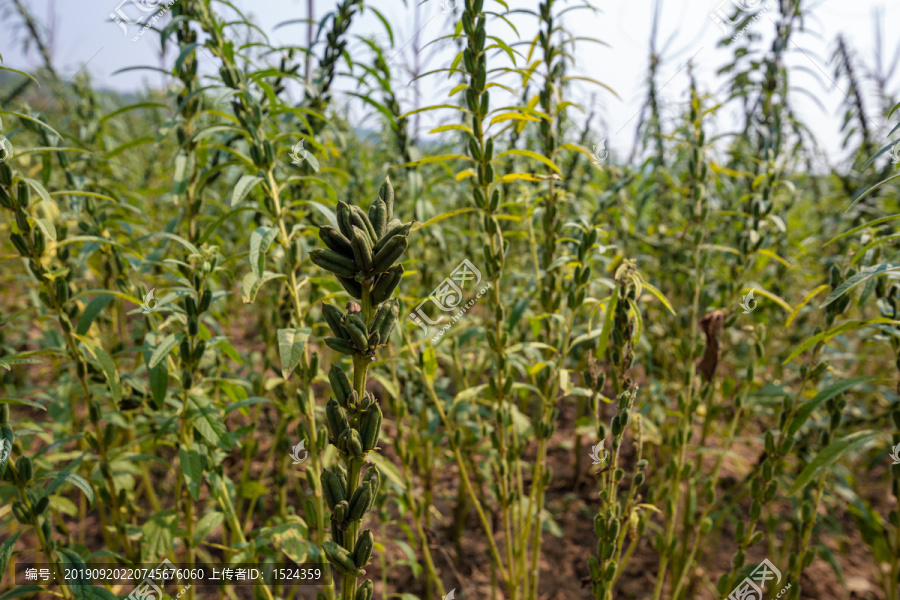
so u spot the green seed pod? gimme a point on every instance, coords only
(378, 217)
(336, 241)
(184, 350)
(5, 174)
(365, 591)
(336, 417)
(23, 194)
(356, 329)
(359, 503)
(190, 306)
(360, 219)
(340, 384)
(205, 301)
(333, 316)
(187, 379)
(388, 255)
(25, 469)
(385, 318)
(21, 513)
(331, 489)
(386, 284)
(401, 229)
(362, 552)
(340, 511)
(40, 506)
(40, 242)
(340, 557)
(596, 572)
(362, 249)
(109, 434)
(370, 427)
(386, 194)
(199, 350)
(6, 200)
(334, 262)
(4, 416)
(193, 326)
(343, 218)
(19, 242)
(354, 445)
(341, 345)
(373, 478)
(353, 287)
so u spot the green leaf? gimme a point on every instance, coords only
(835, 331)
(208, 422)
(207, 525)
(251, 284)
(77, 584)
(107, 365)
(291, 343)
(47, 227)
(260, 241)
(192, 468)
(291, 541)
(90, 313)
(827, 457)
(825, 395)
(164, 348)
(246, 402)
(659, 295)
(243, 187)
(21, 591)
(859, 278)
(607, 324)
(23, 402)
(529, 154)
(429, 360)
(157, 536)
(159, 380)
(6, 550)
(65, 477)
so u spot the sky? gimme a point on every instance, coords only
(84, 37)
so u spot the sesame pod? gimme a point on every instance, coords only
(362, 249)
(40, 242)
(335, 240)
(356, 328)
(5, 174)
(19, 242)
(205, 301)
(340, 384)
(339, 556)
(199, 350)
(365, 591)
(378, 217)
(340, 510)
(373, 478)
(370, 427)
(331, 489)
(193, 326)
(343, 219)
(363, 550)
(354, 443)
(334, 262)
(392, 232)
(333, 316)
(386, 194)
(360, 502)
(341, 345)
(336, 533)
(4, 414)
(184, 350)
(387, 256)
(382, 314)
(109, 434)
(190, 306)
(6, 200)
(40, 506)
(22, 222)
(386, 326)
(62, 291)
(21, 513)
(360, 219)
(23, 194)
(386, 284)
(336, 417)
(341, 474)
(25, 469)
(353, 287)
